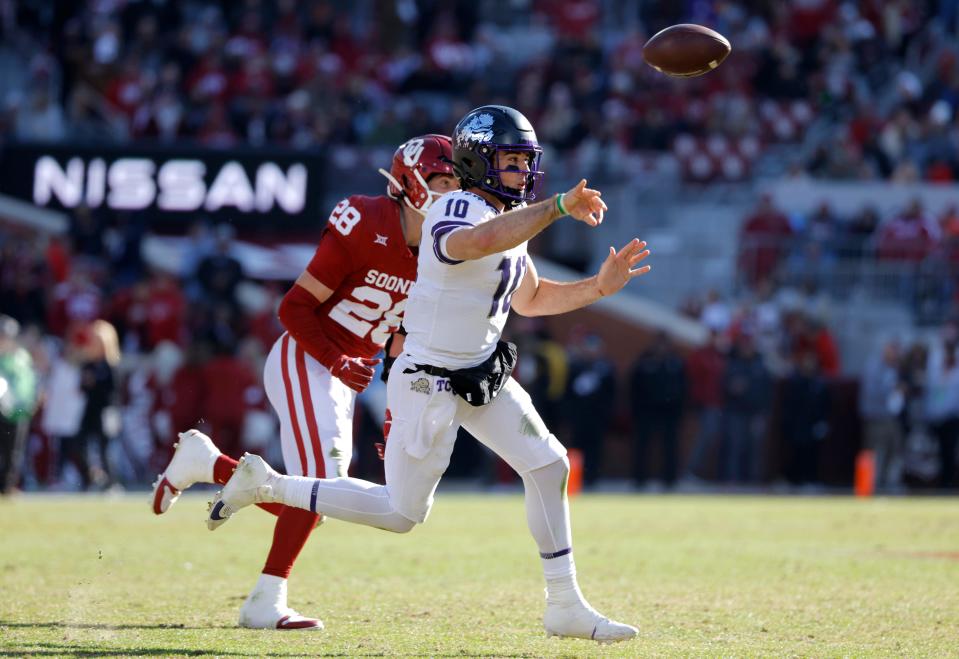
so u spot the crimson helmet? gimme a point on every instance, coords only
(413, 164)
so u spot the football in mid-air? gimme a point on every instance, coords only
(686, 50)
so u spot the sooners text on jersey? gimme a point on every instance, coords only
(364, 259)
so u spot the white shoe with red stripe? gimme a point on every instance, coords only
(265, 608)
(251, 482)
(192, 462)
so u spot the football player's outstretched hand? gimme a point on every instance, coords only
(355, 372)
(619, 267)
(584, 204)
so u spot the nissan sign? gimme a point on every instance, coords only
(169, 183)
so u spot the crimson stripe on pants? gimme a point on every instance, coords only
(288, 386)
(310, 414)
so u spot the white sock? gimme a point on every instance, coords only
(561, 585)
(349, 499)
(547, 514)
(270, 590)
(208, 468)
(294, 491)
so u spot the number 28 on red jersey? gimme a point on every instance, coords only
(363, 258)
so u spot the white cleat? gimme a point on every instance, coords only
(579, 620)
(266, 608)
(288, 620)
(252, 482)
(192, 462)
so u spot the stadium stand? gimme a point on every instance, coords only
(804, 195)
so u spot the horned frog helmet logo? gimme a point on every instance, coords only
(412, 151)
(420, 386)
(477, 129)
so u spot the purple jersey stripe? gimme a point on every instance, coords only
(445, 224)
(439, 230)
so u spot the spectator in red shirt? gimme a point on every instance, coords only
(704, 373)
(908, 237)
(216, 131)
(58, 260)
(229, 388)
(77, 300)
(127, 90)
(208, 81)
(762, 241)
(254, 80)
(166, 307)
(949, 228)
(181, 396)
(574, 19)
(265, 325)
(813, 337)
(826, 349)
(128, 312)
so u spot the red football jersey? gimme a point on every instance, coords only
(364, 259)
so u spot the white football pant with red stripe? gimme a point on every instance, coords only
(315, 410)
(316, 434)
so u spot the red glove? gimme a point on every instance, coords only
(387, 424)
(355, 372)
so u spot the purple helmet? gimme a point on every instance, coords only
(480, 135)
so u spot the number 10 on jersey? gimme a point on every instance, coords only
(511, 274)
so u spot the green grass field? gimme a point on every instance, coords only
(743, 576)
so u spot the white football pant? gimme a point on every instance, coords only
(426, 415)
(315, 410)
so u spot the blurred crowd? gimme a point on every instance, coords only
(103, 358)
(909, 402)
(911, 255)
(125, 354)
(870, 86)
(766, 371)
(762, 403)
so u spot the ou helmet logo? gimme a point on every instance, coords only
(412, 151)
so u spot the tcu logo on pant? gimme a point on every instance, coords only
(412, 151)
(443, 385)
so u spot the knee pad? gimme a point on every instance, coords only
(400, 524)
(560, 467)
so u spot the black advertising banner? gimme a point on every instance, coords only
(265, 189)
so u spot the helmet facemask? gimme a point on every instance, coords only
(493, 181)
(431, 195)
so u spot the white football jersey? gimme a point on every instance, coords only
(456, 310)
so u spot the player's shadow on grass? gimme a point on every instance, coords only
(57, 650)
(77, 650)
(66, 650)
(106, 627)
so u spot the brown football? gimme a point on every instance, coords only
(686, 50)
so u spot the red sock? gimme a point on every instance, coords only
(293, 527)
(223, 469)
